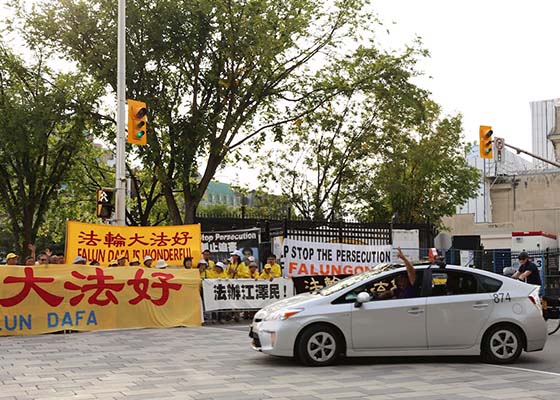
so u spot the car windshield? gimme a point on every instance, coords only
(351, 280)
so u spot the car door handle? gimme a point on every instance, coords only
(480, 305)
(415, 311)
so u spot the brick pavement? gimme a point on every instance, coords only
(214, 363)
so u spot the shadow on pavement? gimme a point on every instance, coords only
(267, 360)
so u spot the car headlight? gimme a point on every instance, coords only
(283, 314)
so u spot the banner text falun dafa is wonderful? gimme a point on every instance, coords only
(108, 242)
(50, 298)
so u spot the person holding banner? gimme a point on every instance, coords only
(267, 274)
(218, 272)
(148, 260)
(12, 259)
(203, 269)
(187, 263)
(254, 270)
(206, 255)
(275, 268)
(237, 268)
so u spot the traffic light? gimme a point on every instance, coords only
(137, 122)
(104, 203)
(485, 142)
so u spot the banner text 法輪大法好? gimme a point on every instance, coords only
(108, 242)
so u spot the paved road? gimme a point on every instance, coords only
(216, 363)
(547, 360)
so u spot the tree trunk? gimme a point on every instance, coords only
(174, 213)
(190, 212)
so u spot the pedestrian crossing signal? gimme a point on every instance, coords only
(104, 203)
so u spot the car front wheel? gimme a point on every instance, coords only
(502, 345)
(319, 345)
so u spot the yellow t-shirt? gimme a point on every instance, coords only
(255, 275)
(276, 270)
(213, 274)
(238, 271)
(265, 275)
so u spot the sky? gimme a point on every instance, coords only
(489, 58)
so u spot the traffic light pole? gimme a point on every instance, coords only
(518, 150)
(120, 176)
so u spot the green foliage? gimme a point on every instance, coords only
(323, 152)
(44, 119)
(421, 175)
(215, 74)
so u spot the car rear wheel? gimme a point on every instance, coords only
(319, 345)
(502, 345)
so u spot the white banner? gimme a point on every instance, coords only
(238, 294)
(310, 258)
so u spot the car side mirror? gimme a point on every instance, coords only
(363, 297)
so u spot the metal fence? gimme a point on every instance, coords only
(371, 233)
(496, 260)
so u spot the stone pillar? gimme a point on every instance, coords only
(554, 135)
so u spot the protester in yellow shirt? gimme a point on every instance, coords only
(206, 254)
(218, 272)
(254, 270)
(267, 273)
(203, 269)
(276, 270)
(236, 268)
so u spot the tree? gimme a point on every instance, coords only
(420, 175)
(44, 119)
(215, 74)
(325, 150)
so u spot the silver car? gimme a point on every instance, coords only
(449, 311)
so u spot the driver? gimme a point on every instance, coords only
(405, 282)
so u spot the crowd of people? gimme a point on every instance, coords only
(237, 266)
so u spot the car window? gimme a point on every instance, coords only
(381, 288)
(489, 285)
(452, 283)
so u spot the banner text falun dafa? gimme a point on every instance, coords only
(50, 298)
(108, 242)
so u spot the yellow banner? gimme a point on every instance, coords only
(105, 243)
(51, 298)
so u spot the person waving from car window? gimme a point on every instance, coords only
(404, 282)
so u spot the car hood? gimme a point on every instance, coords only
(289, 302)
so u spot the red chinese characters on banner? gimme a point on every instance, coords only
(160, 240)
(136, 239)
(30, 282)
(114, 240)
(103, 292)
(89, 239)
(141, 286)
(181, 238)
(100, 286)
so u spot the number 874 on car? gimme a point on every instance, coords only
(446, 311)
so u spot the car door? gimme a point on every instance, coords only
(390, 324)
(456, 309)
